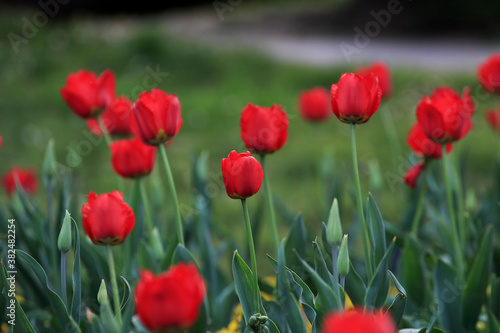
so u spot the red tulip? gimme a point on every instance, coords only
(242, 175)
(132, 158)
(314, 104)
(355, 98)
(88, 95)
(264, 130)
(358, 321)
(170, 301)
(107, 219)
(493, 118)
(422, 145)
(25, 178)
(156, 117)
(489, 74)
(383, 73)
(445, 116)
(412, 175)
(116, 118)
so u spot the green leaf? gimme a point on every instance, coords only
(377, 228)
(296, 240)
(474, 296)
(304, 293)
(181, 254)
(76, 301)
(378, 288)
(494, 302)
(493, 325)
(413, 274)
(449, 295)
(244, 286)
(65, 321)
(355, 287)
(326, 300)
(286, 298)
(397, 308)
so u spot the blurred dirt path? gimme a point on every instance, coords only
(279, 38)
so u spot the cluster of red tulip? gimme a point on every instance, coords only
(172, 299)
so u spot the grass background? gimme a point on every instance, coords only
(213, 87)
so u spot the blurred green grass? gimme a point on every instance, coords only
(213, 87)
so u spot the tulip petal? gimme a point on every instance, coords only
(353, 99)
(431, 121)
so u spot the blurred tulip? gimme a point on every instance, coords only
(107, 219)
(422, 145)
(264, 130)
(170, 301)
(132, 158)
(411, 177)
(489, 74)
(156, 117)
(25, 178)
(383, 73)
(445, 116)
(355, 98)
(116, 118)
(493, 118)
(314, 105)
(242, 175)
(88, 95)
(357, 321)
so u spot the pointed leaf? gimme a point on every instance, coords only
(449, 295)
(76, 301)
(377, 227)
(355, 287)
(243, 278)
(474, 296)
(378, 288)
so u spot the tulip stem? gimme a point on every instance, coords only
(64, 258)
(104, 131)
(415, 224)
(335, 268)
(454, 226)
(270, 204)
(364, 229)
(114, 286)
(145, 206)
(460, 206)
(252, 250)
(173, 193)
(52, 225)
(109, 141)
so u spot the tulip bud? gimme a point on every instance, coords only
(64, 239)
(343, 262)
(334, 226)
(156, 243)
(102, 294)
(49, 164)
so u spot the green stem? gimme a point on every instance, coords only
(270, 204)
(252, 250)
(145, 205)
(109, 141)
(335, 269)
(173, 193)
(460, 206)
(104, 131)
(63, 278)
(114, 286)
(364, 229)
(415, 224)
(454, 227)
(52, 226)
